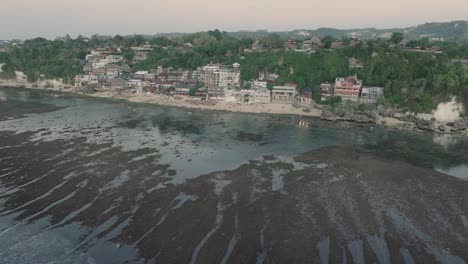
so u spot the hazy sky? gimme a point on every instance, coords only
(51, 18)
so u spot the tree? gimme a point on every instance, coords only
(270, 86)
(272, 41)
(327, 40)
(128, 54)
(397, 37)
(193, 91)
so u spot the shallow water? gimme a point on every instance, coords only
(99, 178)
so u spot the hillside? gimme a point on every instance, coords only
(455, 30)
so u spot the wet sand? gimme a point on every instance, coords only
(331, 204)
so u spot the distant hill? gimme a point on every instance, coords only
(455, 30)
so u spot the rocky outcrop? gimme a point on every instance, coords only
(340, 111)
(327, 115)
(361, 117)
(424, 125)
(385, 111)
(461, 124)
(341, 114)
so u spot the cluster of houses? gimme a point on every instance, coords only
(106, 70)
(350, 89)
(101, 65)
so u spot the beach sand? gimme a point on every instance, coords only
(188, 102)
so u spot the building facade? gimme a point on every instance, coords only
(371, 94)
(220, 75)
(326, 91)
(217, 92)
(348, 88)
(283, 94)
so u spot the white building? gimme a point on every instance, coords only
(82, 80)
(371, 94)
(140, 75)
(348, 88)
(233, 96)
(136, 84)
(259, 84)
(262, 95)
(283, 94)
(114, 58)
(220, 75)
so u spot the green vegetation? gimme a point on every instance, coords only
(415, 81)
(397, 37)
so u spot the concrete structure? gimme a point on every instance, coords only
(259, 84)
(354, 63)
(220, 75)
(143, 49)
(233, 96)
(283, 94)
(140, 75)
(262, 96)
(202, 93)
(326, 91)
(217, 93)
(247, 96)
(82, 80)
(117, 84)
(348, 88)
(305, 96)
(136, 83)
(182, 90)
(371, 94)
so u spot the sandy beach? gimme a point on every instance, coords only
(183, 101)
(215, 105)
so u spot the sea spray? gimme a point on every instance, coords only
(449, 111)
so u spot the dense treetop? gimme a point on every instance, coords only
(413, 80)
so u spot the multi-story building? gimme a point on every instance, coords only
(262, 95)
(348, 88)
(217, 92)
(371, 94)
(283, 94)
(220, 75)
(82, 80)
(326, 91)
(140, 75)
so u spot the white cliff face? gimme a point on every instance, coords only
(449, 111)
(1, 65)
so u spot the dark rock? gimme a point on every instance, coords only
(425, 127)
(373, 114)
(327, 115)
(461, 124)
(358, 117)
(339, 111)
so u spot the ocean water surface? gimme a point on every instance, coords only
(86, 180)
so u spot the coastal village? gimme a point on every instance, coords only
(106, 71)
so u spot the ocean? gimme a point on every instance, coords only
(86, 180)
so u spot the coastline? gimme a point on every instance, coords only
(183, 102)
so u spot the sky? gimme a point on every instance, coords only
(52, 18)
